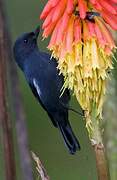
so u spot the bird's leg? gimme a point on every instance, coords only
(72, 109)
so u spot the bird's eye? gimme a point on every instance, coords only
(25, 41)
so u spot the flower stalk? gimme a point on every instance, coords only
(99, 149)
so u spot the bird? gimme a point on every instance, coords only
(44, 79)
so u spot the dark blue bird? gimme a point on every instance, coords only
(41, 73)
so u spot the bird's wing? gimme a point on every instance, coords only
(36, 90)
(37, 93)
(65, 98)
(37, 87)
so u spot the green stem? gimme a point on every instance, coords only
(97, 143)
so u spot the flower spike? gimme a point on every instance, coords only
(83, 46)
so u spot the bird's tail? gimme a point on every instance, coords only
(69, 137)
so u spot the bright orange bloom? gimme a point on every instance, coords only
(108, 10)
(83, 46)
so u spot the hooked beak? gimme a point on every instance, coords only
(36, 32)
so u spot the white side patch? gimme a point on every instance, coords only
(37, 87)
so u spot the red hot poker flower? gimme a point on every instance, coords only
(83, 46)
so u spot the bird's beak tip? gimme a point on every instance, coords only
(37, 31)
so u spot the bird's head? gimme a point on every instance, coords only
(25, 44)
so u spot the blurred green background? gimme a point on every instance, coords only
(44, 139)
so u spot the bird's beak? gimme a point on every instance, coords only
(36, 32)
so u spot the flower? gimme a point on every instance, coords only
(83, 46)
(108, 10)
